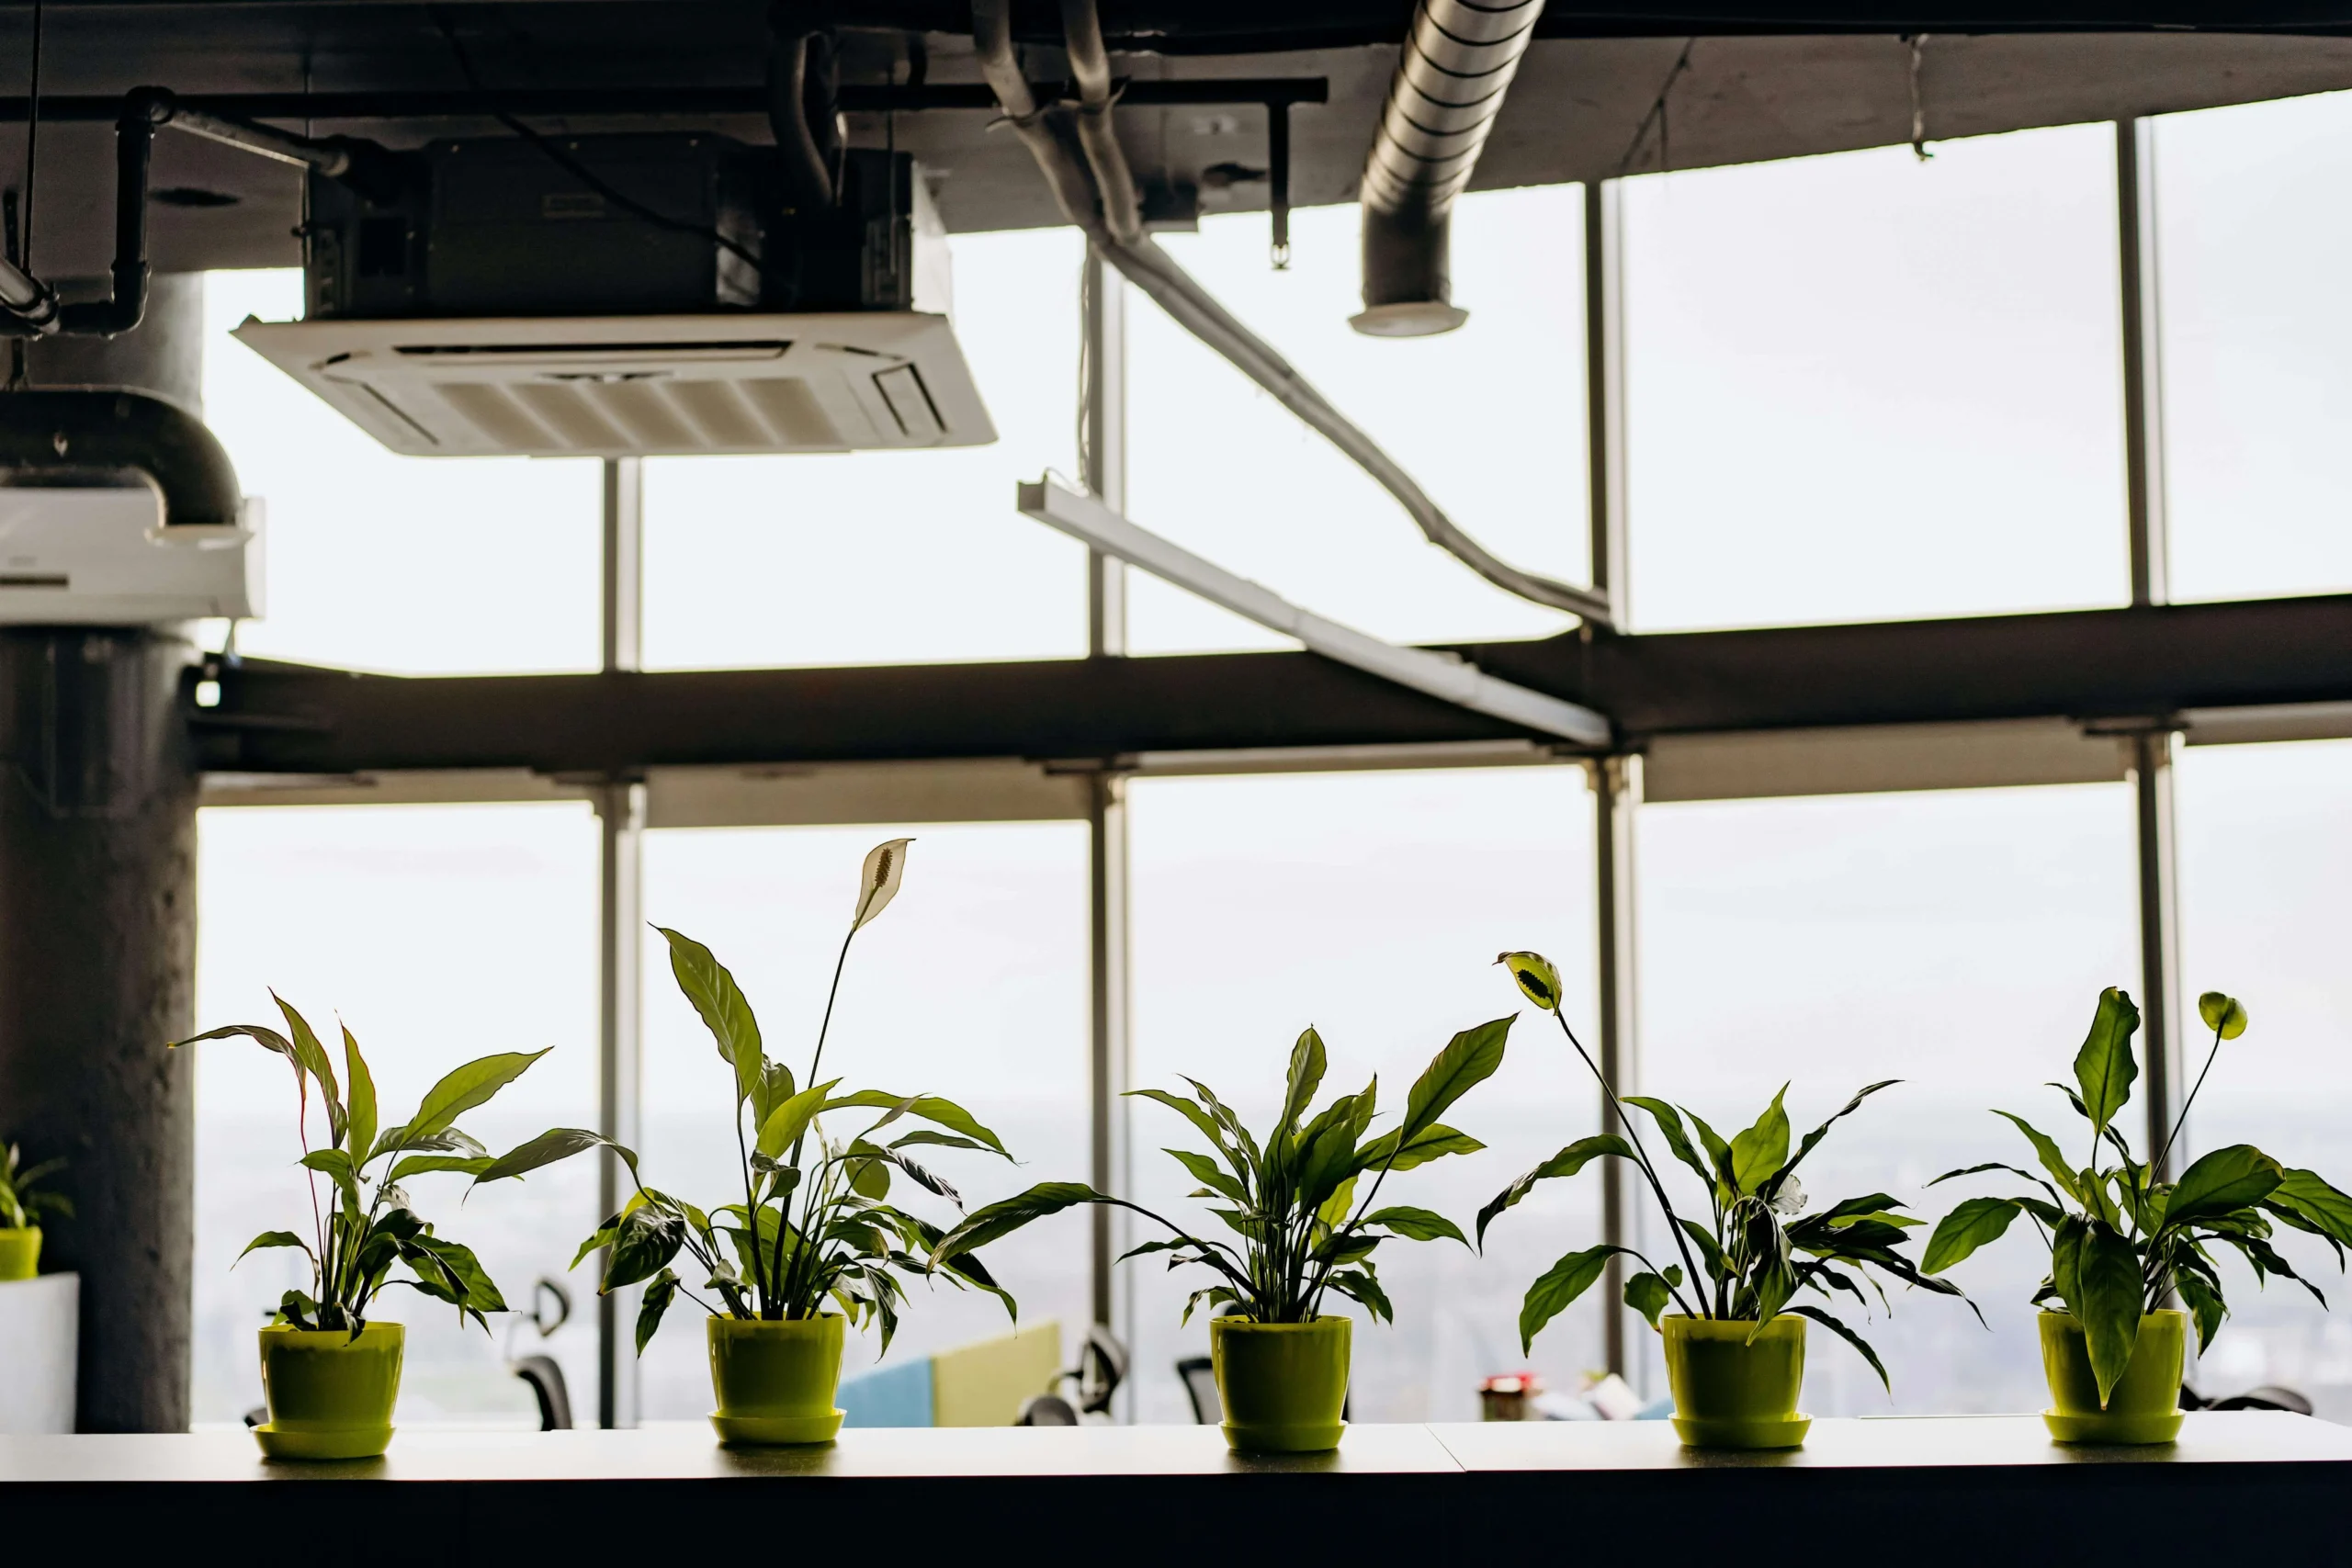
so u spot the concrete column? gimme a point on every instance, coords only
(97, 936)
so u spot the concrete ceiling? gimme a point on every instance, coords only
(1585, 107)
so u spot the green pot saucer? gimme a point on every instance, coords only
(347, 1442)
(758, 1431)
(1742, 1431)
(2135, 1427)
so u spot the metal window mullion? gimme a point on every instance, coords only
(1616, 781)
(1103, 413)
(620, 819)
(2152, 750)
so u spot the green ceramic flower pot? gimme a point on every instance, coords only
(330, 1395)
(19, 1252)
(776, 1381)
(1283, 1384)
(2143, 1407)
(1732, 1391)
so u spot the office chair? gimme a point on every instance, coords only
(2267, 1397)
(551, 1309)
(1198, 1374)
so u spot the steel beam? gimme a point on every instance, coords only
(2084, 664)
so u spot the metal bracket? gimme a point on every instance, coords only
(1446, 676)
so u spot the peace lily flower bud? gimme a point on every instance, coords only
(1790, 1199)
(1536, 978)
(2223, 1015)
(877, 882)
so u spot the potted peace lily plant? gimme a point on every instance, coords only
(1735, 1347)
(21, 1209)
(329, 1369)
(1281, 1362)
(812, 1244)
(2122, 1240)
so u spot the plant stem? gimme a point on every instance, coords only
(832, 994)
(2182, 1119)
(1681, 1242)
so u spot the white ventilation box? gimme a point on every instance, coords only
(642, 386)
(86, 555)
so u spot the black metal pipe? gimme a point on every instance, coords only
(116, 429)
(134, 147)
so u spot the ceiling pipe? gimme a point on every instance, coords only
(111, 429)
(1458, 62)
(1174, 291)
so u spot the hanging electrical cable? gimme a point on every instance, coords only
(1049, 134)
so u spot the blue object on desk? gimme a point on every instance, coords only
(889, 1396)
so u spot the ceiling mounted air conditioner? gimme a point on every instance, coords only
(645, 386)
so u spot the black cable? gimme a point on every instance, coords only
(576, 169)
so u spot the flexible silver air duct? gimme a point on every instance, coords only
(1150, 268)
(1458, 62)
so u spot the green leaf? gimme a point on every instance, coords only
(363, 1096)
(1850, 1336)
(2066, 1258)
(1199, 1118)
(2205, 1304)
(1567, 1162)
(2224, 1015)
(775, 1087)
(312, 1057)
(336, 1163)
(555, 1144)
(2104, 1066)
(2222, 1182)
(1773, 1185)
(1648, 1294)
(927, 1107)
(1976, 1222)
(1335, 1208)
(1669, 1126)
(2109, 1289)
(1468, 1058)
(659, 1291)
(722, 1006)
(464, 1089)
(789, 1120)
(268, 1239)
(1362, 1287)
(1006, 1215)
(647, 1239)
(2047, 1153)
(2305, 1194)
(1718, 1152)
(1307, 1064)
(1205, 1170)
(471, 1284)
(1562, 1284)
(1760, 1151)
(1417, 1225)
(425, 1165)
(1432, 1143)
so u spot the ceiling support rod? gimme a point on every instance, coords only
(1442, 675)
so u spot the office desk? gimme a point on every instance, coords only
(2259, 1486)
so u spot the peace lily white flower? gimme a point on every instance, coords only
(1790, 1199)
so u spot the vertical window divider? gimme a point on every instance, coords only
(620, 822)
(1103, 421)
(2151, 748)
(1616, 779)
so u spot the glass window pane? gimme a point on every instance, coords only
(2257, 347)
(2266, 852)
(1372, 906)
(1864, 388)
(438, 933)
(1957, 941)
(437, 566)
(871, 558)
(1488, 418)
(972, 984)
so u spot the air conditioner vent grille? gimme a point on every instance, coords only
(640, 386)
